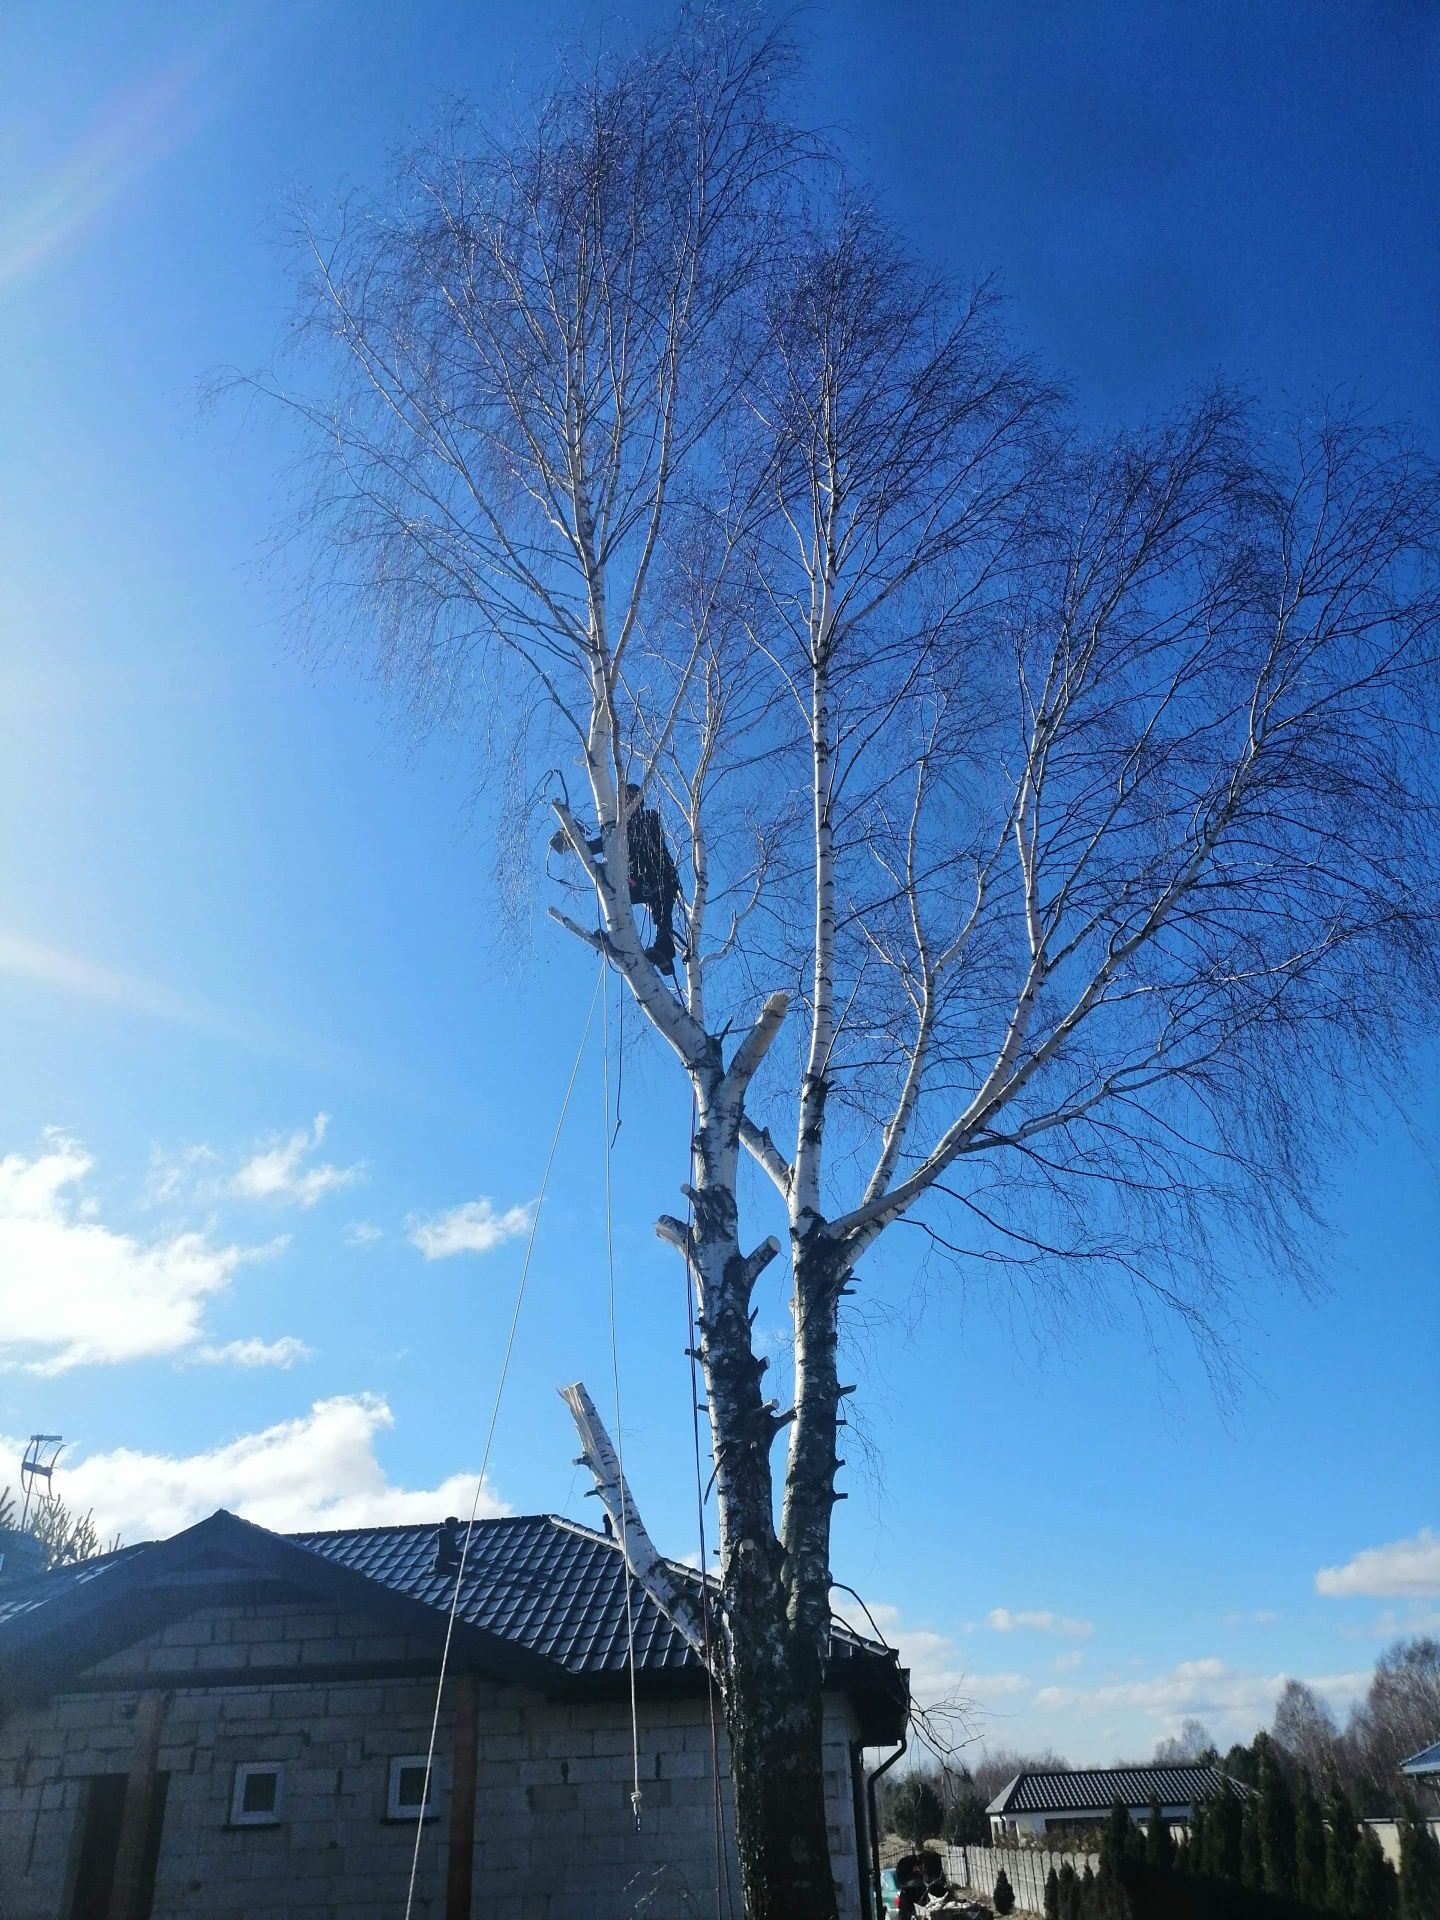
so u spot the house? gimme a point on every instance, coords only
(235, 1722)
(1424, 1767)
(1034, 1804)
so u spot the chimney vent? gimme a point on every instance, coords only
(447, 1546)
(21, 1555)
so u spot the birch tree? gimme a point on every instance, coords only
(1054, 808)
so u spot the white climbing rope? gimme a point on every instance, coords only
(607, 1145)
(490, 1436)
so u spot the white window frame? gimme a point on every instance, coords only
(394, 1809)
(239, 1817)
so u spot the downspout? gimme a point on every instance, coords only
(884, 1767)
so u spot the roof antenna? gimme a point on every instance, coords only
(38, 1464)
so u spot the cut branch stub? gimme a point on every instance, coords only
(649, 1571)
(674, 1233)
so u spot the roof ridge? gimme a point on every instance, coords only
(579, 1526)
(413, 1526)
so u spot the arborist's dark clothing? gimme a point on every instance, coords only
(654, 881)
(654, 878)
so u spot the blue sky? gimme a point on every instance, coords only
(234, 896)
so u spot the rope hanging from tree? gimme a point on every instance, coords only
(607, 1141)
(609, 1134)
(489, 1441)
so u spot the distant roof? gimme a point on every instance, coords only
(1097, 1789)
(541, 1595)
(1426, 1761)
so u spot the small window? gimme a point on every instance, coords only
(258, 1793)
(411, 1795)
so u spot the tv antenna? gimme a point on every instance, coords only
(38, 1464)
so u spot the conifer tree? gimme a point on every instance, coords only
(1069, 1891)
(1276, 1820)
(1159, 1846)
(1341, 1840)
(1224, 1823)
(1180, 1850)
(1119, 1838)
(1052, 1895)
(1375, 1893)
(1195, 1845)
(1419, 1868)
(1089, 1905)
(1309, 1846)
(1252, 1847)
(1003, 1898)
(1120, 1841)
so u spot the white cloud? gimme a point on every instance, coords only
(74, 1292)
(1402, 1568)
(1262, 1617)
(938, 1675)
(363, 1233)
(283, 1352)
(277, 1172)
(1002, 1620)
(319, 1470)
(1068, 1662)
(474, 1227)
(1223, 1696)
(174, 1176)
(1390, 1622)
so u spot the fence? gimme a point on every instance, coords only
(1025, 1868)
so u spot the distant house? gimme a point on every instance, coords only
(235, 1722)
(1034, 1804)
(1424, 1767)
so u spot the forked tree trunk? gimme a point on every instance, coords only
(772, 1673)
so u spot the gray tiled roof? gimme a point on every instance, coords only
(24, 1596)
(546, 1584)
(1426, 1761)
(1097, 1790)
(541, 1583)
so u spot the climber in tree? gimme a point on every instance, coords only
(654, 877)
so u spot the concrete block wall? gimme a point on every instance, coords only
(556, 1838)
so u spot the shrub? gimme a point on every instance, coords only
(1003, 1897)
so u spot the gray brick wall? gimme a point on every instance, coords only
(555, 1836)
